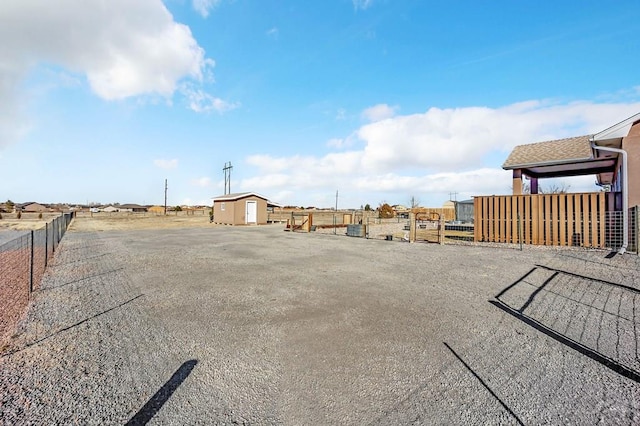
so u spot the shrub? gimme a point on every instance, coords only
(19, 215)
(385, 211)
(40, 215)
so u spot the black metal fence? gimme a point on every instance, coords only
(23, 261)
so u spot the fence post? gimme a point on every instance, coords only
(31, 266)
(46, 243)
(636, 230)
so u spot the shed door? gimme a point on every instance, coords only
(252, 212)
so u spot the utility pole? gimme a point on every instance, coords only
(165, 197)
(227, 177)
(335, 213)
(453, 195)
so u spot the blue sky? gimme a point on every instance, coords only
(378, 99)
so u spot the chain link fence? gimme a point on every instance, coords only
(23, 261)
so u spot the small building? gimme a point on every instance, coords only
(464, 211)
(32, 207)
(135, 208)
(109, 209)
(243, 208)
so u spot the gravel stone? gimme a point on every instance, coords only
(253, 325)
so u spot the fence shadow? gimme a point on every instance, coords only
(155, 403)
(63, 329)
(598, 318)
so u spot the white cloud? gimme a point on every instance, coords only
(362, 4)
(431, 154)
(335, 143)
(449, 139)
(201, 101)
(166, 164)
(204, 7)
(123, 48)
(379, 112)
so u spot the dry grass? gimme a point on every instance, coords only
(28, 221)
(127, 221)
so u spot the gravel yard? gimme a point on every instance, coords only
(253, 325)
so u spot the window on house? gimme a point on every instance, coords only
(221, 207)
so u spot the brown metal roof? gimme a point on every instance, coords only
(560, 151)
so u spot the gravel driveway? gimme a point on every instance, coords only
(253, 325)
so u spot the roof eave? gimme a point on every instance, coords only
(547, 163)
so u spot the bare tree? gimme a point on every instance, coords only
(414, 202)
(561, 188)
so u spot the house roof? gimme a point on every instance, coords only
(560, 151)
(573, 156)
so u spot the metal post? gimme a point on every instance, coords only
(46, 243)
(31, 266)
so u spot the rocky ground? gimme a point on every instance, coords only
(253, 325)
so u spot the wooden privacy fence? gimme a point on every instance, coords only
(541, 219)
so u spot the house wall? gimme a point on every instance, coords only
(631, 144)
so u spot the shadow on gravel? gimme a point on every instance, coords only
(155, 403)
(82, 279)
(70, 327)
(484, 384)
(598, 318)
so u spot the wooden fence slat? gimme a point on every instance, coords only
(562, 218)
(514, 219)
(485, 221)
(507, 216)
(547, 220)
(555, 219)
(526, 225)
(532, 219)
(491, 219)
(594, 220)
(477, 226)
(601, 220)
(503, 219)
(570, 221)
(586, 240)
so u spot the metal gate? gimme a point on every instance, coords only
(428, 227)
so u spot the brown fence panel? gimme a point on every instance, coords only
(542, 219)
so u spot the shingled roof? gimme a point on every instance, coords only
(559, 151)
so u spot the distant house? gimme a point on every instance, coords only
(109, 209)
(135, 208)
(244, 208)
(32, 207)
(400, 211)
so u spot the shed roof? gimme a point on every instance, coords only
(238, 195)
